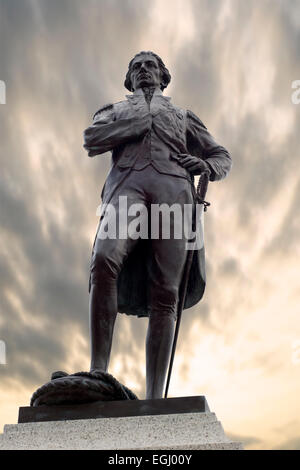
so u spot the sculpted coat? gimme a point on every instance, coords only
(121, 129)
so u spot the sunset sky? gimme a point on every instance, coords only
(232, 63)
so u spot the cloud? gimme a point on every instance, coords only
(290, 444)
(232, 63)
(245, 440)
(286, 239)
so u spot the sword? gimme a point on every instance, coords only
(200, 199)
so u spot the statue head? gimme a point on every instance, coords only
(146, 69)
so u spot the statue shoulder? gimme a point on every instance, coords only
(193, 119)
(104, 111)
(108, 111)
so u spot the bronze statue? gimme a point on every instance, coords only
(143, 133)
(157, 149)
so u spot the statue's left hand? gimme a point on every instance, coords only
(193, 164)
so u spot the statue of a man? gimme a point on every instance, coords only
(157, 149)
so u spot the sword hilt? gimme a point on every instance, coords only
(202, 188)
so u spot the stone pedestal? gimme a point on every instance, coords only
(151, 429)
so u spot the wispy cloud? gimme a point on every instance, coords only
(232, 63)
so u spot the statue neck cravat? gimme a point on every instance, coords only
(148, 93)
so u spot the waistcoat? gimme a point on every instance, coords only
(167, 135)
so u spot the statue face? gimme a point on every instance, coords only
(145, 71)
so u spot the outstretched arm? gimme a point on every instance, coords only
(106, 132)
